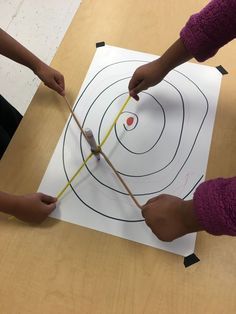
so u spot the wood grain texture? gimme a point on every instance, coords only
(63, 268)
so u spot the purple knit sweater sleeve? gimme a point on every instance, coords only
(215, 206)
(211, 28)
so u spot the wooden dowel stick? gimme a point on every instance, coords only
(74, 116)
(121, 180)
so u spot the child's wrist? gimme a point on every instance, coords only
(9, 203)
(37, 66)
(164, 66)
(190, 219)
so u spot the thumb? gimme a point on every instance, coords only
(47, 199)
(154, 199)
(50, 207)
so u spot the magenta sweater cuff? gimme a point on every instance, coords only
(210, 29)
(215, 206)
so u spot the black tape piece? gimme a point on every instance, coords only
(221, 69)
(100, 44)
(190, 260)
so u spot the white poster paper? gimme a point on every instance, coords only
(159, 145)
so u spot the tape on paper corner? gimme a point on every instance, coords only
(222, 69)
(190, 260)
(100, 44)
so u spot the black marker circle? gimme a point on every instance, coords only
(125, 147)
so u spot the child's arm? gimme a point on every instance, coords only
(210, 29)
(212, 209)
(202, 36)
(33, 208)
(12, 49)
(153, 73)
(170, 217)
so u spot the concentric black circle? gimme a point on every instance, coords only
(159, 109)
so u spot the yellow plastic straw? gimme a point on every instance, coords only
(77, 172)
(117, 117)
(102, 143)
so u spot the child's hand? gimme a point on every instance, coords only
(170, 217)
(51, 78)
(146, 76)
(34, 208)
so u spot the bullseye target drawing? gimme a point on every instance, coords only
(158, 145)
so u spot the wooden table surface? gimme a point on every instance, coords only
(58, 267)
